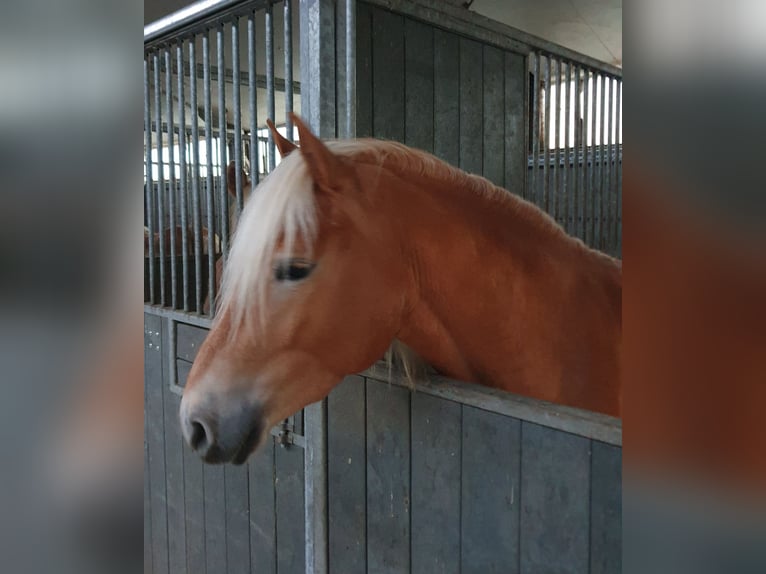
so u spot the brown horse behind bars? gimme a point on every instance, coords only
(350, 246)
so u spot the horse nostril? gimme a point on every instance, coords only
(198, 439)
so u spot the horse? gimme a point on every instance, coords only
(349, 247)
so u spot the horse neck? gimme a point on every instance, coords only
(499, 291)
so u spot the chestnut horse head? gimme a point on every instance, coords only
(347, 248)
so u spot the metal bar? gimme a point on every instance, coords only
(160, 173)
(557, 139)
(270, 102)
(237, 116)
(209, 153)
(198, 13)
(609, 188)
(576, 421)
(546, 132)
(601, 167)
(350, 68)
(578, 136)
(148, 192)
(592, 173)
(254, 160)
(196, 213)
(223, 139)
(178, 315)
(289, 89)
(172, 188)
(565, 192)
(618, 162)
(585, 187)
(183, 187)
(535, 99)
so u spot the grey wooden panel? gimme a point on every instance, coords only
(155, 437)
(346, 477)
(555, 486)
(493, 74)
(237, 519)
(147, 493)
(188, 341)
(263, 528)
(194, 493)
(419, 85)
(447, 96)
(183, 368)
(363, 70)
(436, 459)
(388, 474)
(515, 123)
(290, 510)
(215, 517)
(471, 103)
(388, 75)
(606, 509)
(490, 492)
(174, 470)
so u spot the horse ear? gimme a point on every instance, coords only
(324, 166)
(284, 145)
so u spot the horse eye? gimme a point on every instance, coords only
(293, 270)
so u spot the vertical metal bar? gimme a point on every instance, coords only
(183, 188)
(252, 80)
(546, 131)
(196, 213)
(601, 167)
(160, 174)
(270, 101)
(350, 68)
(237, 114)
(618, 162)
(289, 90)
(557, 139)
(172, 184)
(566, 192)
(149, 183)
(592, 184)
(535, 99)
(209, 152)
(585, 187)
(223, 149)
(578, 136)
(609, 172)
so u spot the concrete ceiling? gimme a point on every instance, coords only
(592, 27)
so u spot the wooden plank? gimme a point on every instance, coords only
(363, 70)
(263, 527)
(174, 470)
(446, 105)
(388, 75)
(155, 437)
(490, 492)
(237, 519)
(493, 113)
(436, 455)
(188, 341)
(215, 517)
(347, 502)
(419, 85)
(555, 489)
(194, 494)
(471, 103)
(575, 421)
(515, 124)
(605, 509)
(388, 474)
(290, 510)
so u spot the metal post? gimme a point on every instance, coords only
(288, 69)
(196, 213)
(148, 192)
(237, 117)
(222, 150)
(252, 100)
(567, 91)
(183, 187)
(208, 112)
(318, 97)
(270, 98)
(547, 117)
(172, 178)
(350, 68)
(160, 174)
(532, 192)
